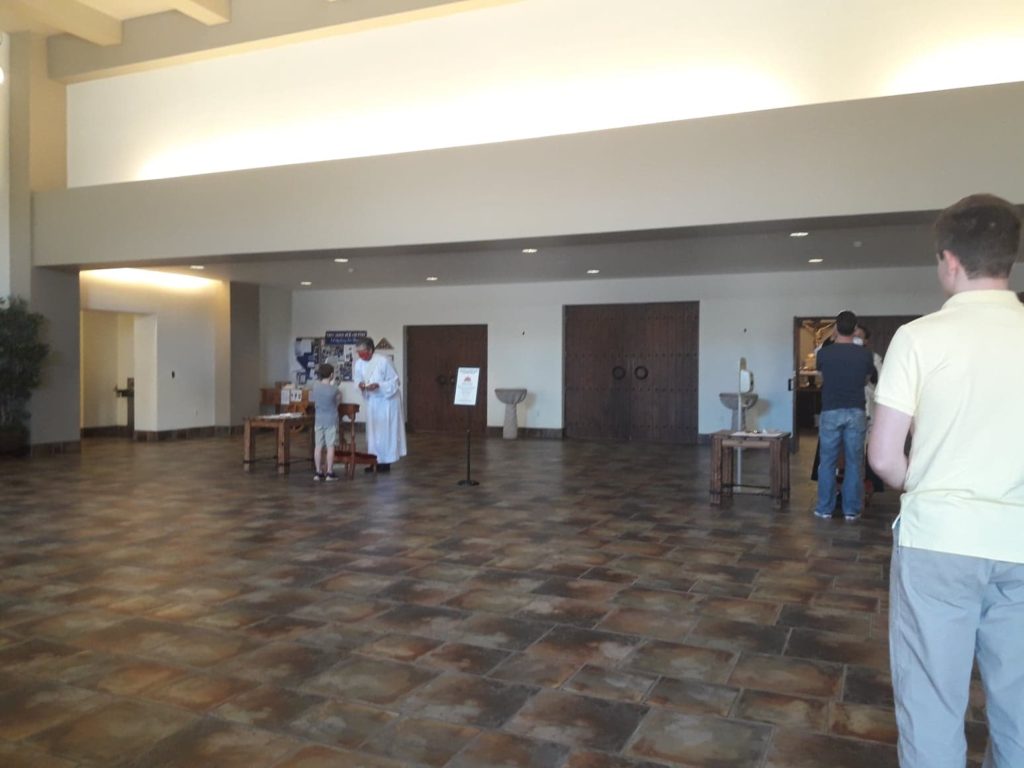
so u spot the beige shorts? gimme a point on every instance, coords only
(325, 437)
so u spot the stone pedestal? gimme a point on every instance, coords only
(511, 398)
(730, 401)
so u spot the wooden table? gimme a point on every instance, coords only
(283, 426)
(723, 465)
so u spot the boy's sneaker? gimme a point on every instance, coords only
(330, 477)
(822, 515)
(851, 518)
(317, 477)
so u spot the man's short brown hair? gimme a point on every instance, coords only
(324, 371)
(984, 233)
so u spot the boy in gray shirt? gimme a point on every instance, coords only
(325, 398)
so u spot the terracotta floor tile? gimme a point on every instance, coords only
(499, 750)
(783, 675)
(399, 647)
(535, 670)
(500, 632)
(577, 721)
(692, 697)
(211, 742)
(421, 741)
(267, 707)
(113, 732)
(370, 680)
(700, 740)
(382, 618)
(341, 724)
(29, 756)
(199, 693)
(460, 657)
(323, 757)
(655, 624)
(864, 685)
(468, 699)
(798, 749)
(686, 662)
(610, 684)
(585, 645)
(30, 709)
(863, 722)
(783, 709)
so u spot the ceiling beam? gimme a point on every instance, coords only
(208, 12)
(72, 17)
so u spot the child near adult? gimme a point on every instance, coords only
(325, 398)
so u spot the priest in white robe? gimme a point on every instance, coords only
(382, 391)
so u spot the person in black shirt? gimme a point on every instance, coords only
(844, 367)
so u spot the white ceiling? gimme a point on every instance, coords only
(885, 241)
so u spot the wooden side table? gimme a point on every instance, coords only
(723, 465)
(282, 426)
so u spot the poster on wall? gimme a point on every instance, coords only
(339, 349)
(307, 356)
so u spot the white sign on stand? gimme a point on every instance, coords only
(466, 384)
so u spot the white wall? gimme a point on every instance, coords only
(740, 315)
(55, 405)
(5, 170)
(275, 335)
(522, 69)
(174, 348)
(904, 153)
(245, 352)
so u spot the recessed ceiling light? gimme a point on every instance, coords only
(529, 250)
(196, 266)
(857, 243)
(593, 271)
(431, 279)
(799, 234)
(305, 282)
(341, 261)
(815, 261)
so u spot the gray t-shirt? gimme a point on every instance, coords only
(325, 397)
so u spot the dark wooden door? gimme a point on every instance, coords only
(631, 372)
(597, 372)
(663, 367)
(434, 353)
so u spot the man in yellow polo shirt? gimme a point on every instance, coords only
(956, 377)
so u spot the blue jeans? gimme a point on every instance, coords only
(841, 428)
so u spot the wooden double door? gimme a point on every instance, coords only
(631, 372)
(434, 353)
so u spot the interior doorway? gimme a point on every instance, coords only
(808, 335)
(631, 372)
(433, 355)
(108, 362)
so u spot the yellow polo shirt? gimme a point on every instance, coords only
(960, 374)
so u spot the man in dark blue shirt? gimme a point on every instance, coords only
(845, 368)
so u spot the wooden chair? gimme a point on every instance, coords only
(345, 451)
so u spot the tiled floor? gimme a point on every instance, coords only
(584, 607)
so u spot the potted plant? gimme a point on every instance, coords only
(22, 353)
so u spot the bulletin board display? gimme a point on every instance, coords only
(335, 347)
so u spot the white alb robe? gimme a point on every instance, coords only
(385, 419)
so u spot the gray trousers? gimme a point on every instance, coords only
(944, 611)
